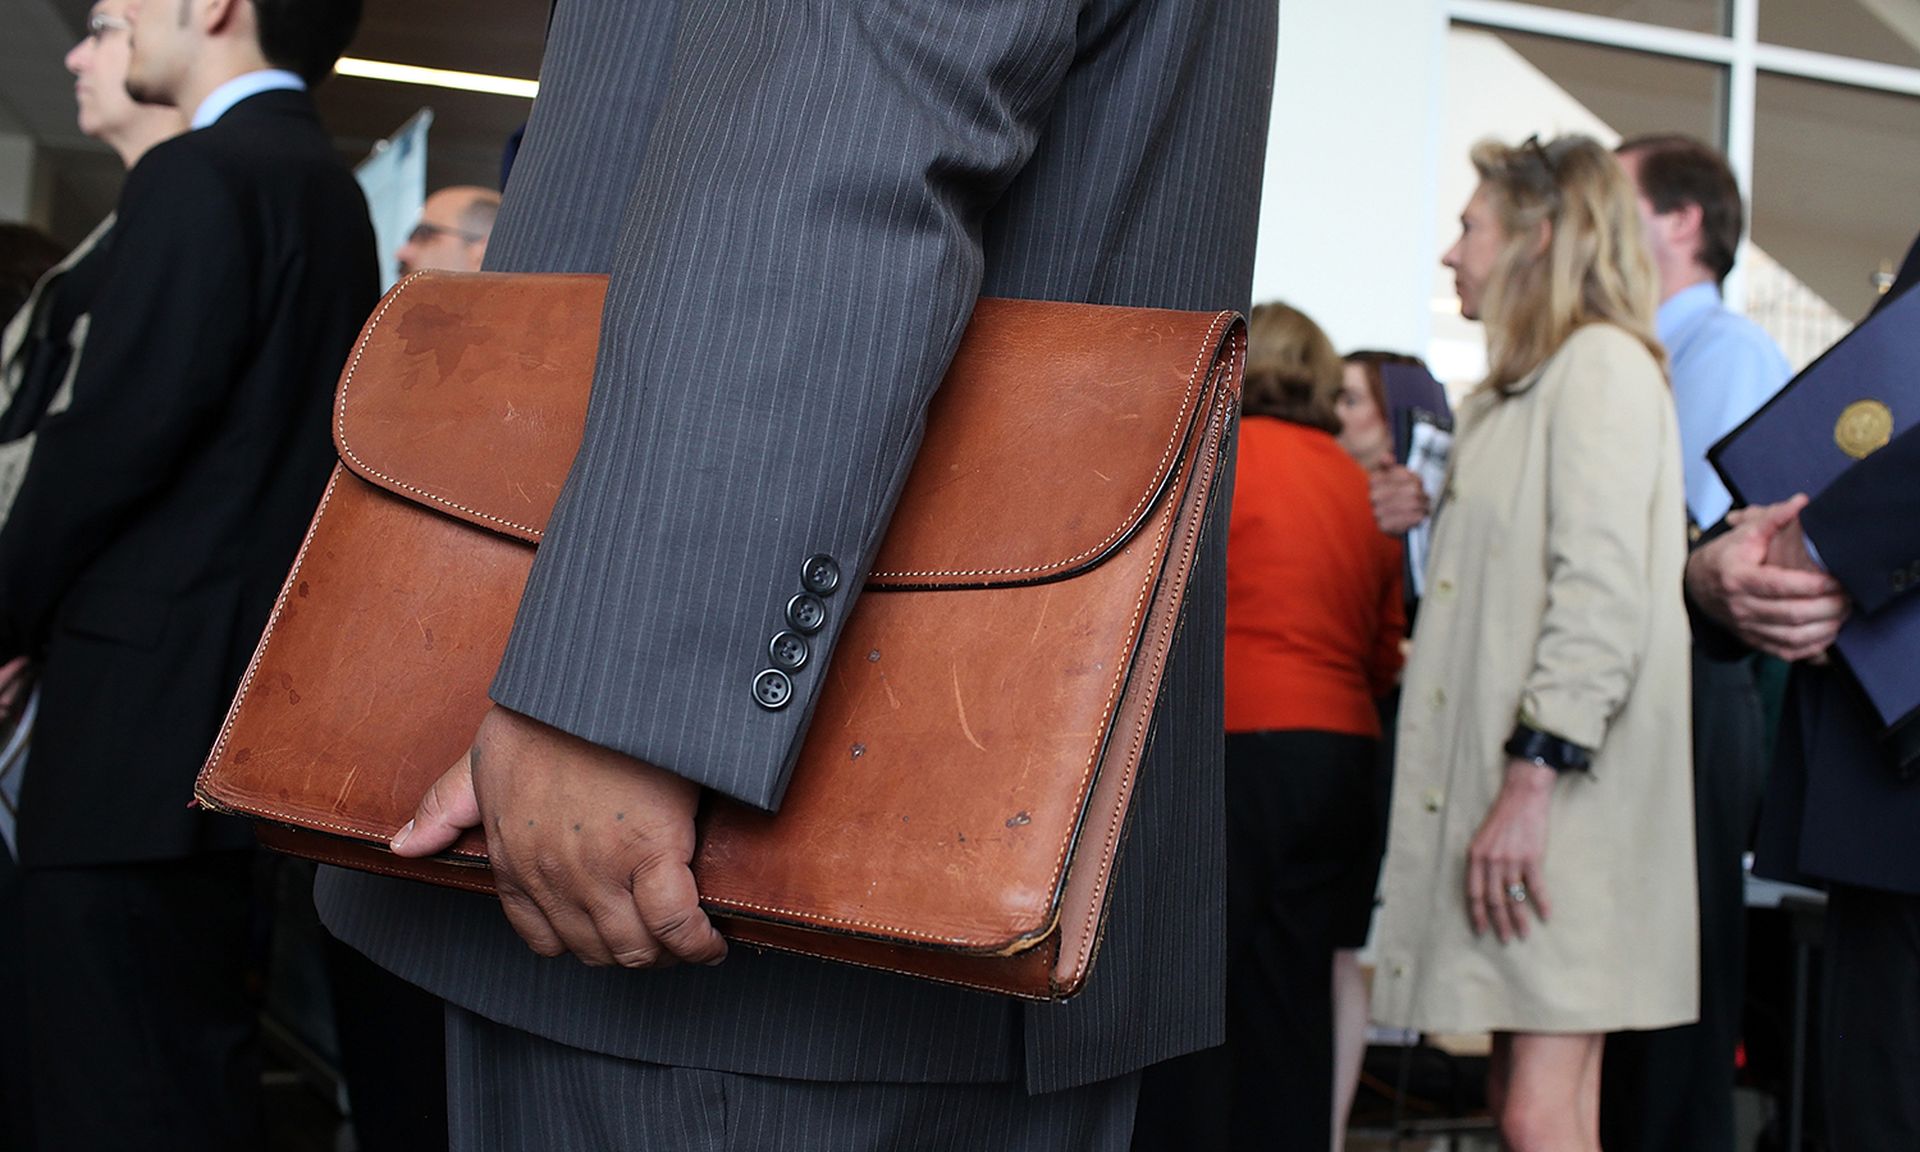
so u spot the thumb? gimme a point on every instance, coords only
(1775, 517)
(448, 809)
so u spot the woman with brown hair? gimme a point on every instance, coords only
(1314, 623)
(1547, 690)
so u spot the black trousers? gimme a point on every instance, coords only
(141, 1030)
(1870, 1029)
(392, 1052)
(1671, 1090)
(16, 1110)
(510, 1091)
(1300, 833)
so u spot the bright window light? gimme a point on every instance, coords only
(437, 77)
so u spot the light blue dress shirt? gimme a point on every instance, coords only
(1724, 368)
(241, 87)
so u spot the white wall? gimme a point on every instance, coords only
(16, 176)
(1346, 223)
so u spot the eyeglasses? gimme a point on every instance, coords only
(423, 232)
(1538, 151)
(99, 24)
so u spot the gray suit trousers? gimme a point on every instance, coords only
(512, 1092)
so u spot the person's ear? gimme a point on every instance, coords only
(217, 15)
(1684, 225)
(1542, 239)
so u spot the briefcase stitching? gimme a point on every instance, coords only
(1211, 361)
(346, 449)
(1115, 819)
(266, 637)
(1086, 776)
(1129, 522)
(1202, 358)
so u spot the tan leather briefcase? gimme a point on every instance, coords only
(960, 799)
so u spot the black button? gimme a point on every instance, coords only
(807, 613)
(789, 650)
(820, 575)
(772, 689)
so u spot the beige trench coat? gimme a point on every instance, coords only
(1554, 589)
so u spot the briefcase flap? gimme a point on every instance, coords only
(463, 395)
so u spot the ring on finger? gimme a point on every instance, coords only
(1517, 892)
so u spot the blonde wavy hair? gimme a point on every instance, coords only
(1594, 268)
(1293, 371)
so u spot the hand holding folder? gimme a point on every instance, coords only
(1844, 407)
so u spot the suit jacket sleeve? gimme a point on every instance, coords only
(168, 329)
(799, 257)
(1605, 437)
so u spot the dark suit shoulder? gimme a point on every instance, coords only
(178, 185)
(183, 160)
(272, 139)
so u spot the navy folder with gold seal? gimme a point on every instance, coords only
(1844, 407)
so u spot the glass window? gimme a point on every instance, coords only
(1887, 31)
(1688, 15)
(1631, 92)
(1834, 174)
(1508, 85)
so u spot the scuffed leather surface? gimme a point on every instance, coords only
(964, 785)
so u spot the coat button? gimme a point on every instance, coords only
(789, 651)
(1444, 588)
(1439, 699)
(807, 613)
(820, 575)
(772, 690)
(1432, 800)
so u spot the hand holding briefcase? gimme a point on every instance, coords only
(960, 799)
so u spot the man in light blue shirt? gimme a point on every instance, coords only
(1723, 366)
(1672, 1090)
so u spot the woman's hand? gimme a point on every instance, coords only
(1506, 863)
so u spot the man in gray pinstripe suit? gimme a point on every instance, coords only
(798, 203)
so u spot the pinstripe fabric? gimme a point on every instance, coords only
(824, 189)
(512, 1092)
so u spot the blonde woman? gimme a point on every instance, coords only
(1540, 878)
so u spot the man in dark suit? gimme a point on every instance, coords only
(1838, 813)
(153, 526)
(798, 206)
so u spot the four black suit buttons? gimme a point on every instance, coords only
(806, 615)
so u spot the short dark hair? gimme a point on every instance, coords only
(1678, 170)
(306, 36)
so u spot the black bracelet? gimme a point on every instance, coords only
(1547, 750)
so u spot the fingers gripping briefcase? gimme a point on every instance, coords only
(959, 801)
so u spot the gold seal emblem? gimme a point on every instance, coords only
(1863, 428)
